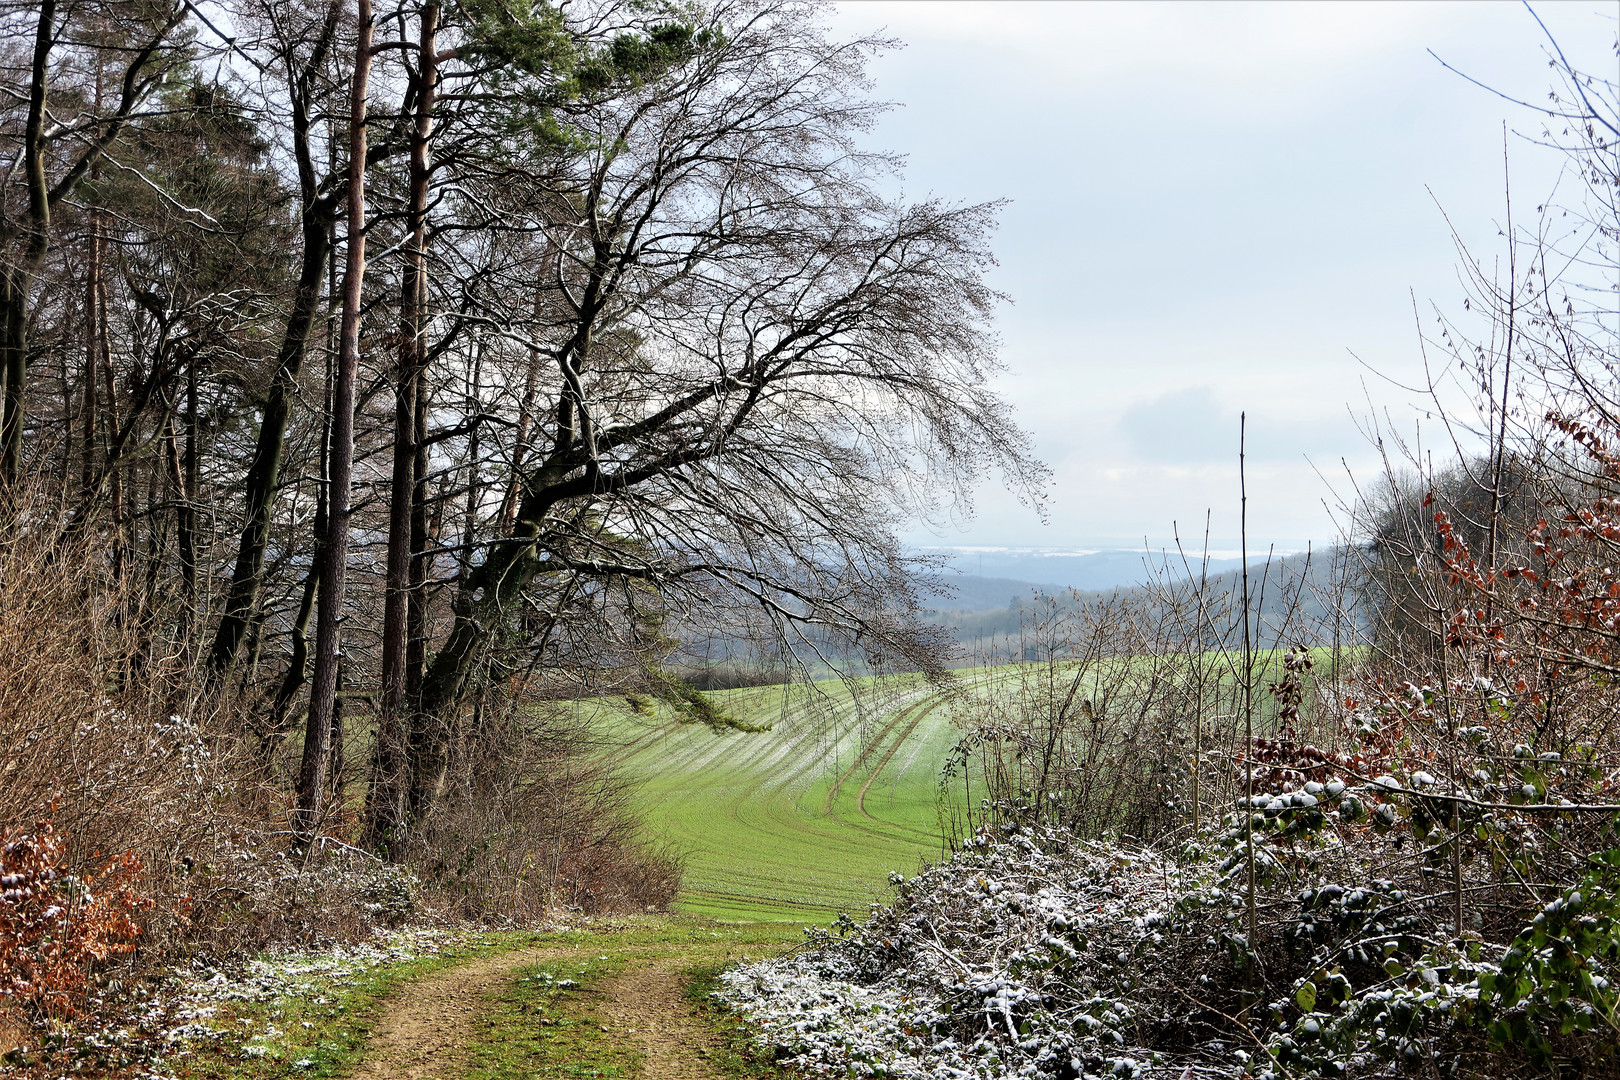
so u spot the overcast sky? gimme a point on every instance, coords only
(1213, 206)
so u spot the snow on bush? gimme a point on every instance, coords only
(1031, 955)
(1022, 956)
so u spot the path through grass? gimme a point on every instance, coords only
(613, 1007)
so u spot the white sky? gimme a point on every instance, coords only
(1212, 206)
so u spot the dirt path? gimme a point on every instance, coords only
(644, 1003)
(425, 1033)
(428, 1027)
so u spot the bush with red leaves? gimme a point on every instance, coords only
(55, 927)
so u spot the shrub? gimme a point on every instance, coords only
(57, 927)
(530, 818)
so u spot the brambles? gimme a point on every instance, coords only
(1031, 954)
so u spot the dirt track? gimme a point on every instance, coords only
(644, 1003)
(426, 1031)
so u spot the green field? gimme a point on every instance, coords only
(810, 817)
(801, 821)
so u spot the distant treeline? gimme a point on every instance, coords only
(1315, 599)
(1319, 595)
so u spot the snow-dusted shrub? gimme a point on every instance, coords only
(1023, 955)
(1031, 955)
(252, 894)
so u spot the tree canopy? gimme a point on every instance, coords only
(643, 342)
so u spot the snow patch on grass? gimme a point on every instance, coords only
(202, 1007)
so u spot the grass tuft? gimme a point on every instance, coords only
(544, 1025)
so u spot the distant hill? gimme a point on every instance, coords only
(983, 612)
(1090, 570)
(985, 609)
(969, 592)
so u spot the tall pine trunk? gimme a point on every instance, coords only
(314, 770)
(264, 473)
(391, 762)
(18, 280)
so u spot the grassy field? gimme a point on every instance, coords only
(809, 818)
(805, 819)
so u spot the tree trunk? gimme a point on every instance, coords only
(469, 509)
(111, 469)
(501, 579)
(297, 673)
(186, 519)
(92, 357)
(520, 445)
(426, 728)
(312, 776)
(264, 474)
(412, 326)
(434, 731)
(416, 619)
(318, 212)
(13, 365)
(386, 812)
(19, 279)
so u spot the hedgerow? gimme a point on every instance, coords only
(1031, 955)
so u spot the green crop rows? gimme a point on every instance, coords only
(801, 821)
(809, 817)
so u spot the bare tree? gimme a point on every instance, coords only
(312, 777)
(757, 360)
(662, 354)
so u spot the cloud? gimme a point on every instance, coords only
(1182, 426)
(1227, 49)
(1213, 205)
(1191, 426)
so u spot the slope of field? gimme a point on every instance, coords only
(810, 817)
(805, 819)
